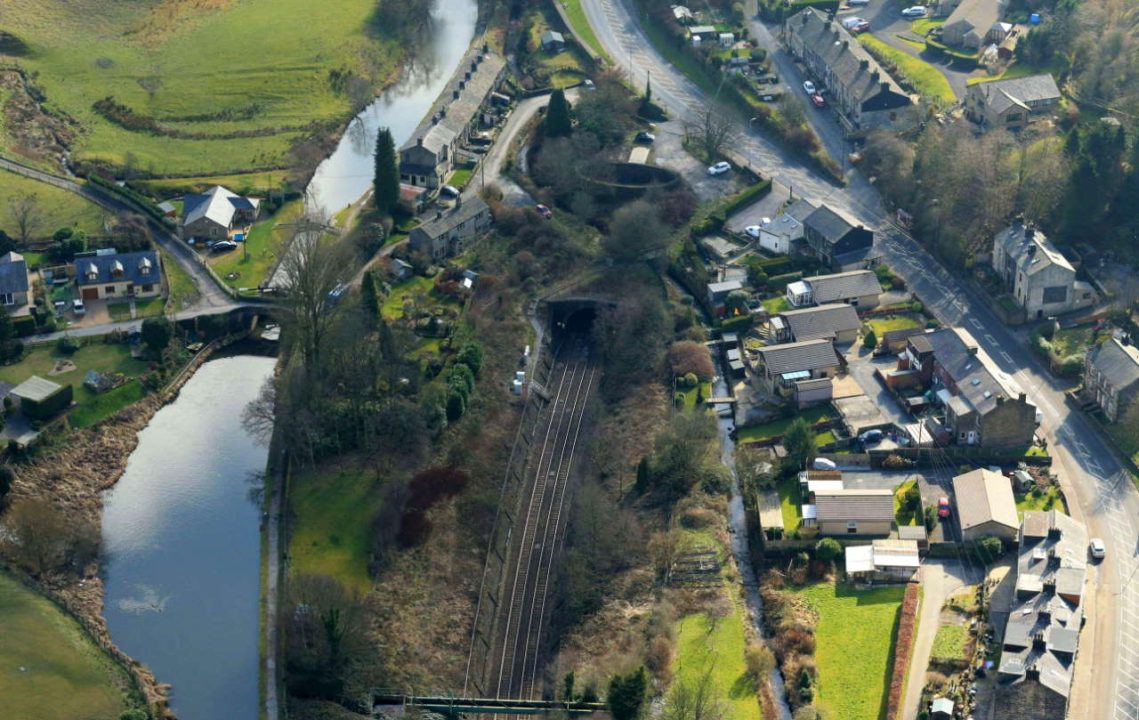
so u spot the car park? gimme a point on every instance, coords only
(1097, 548)
(646, 137)
(544, 211)
(915, 11)
(719, 168)
(809, 87)
(943, 507)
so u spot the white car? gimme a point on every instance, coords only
(719, 168)
(809, 87)
(1097, 548)
(857, 3)
(916, 11)
(752, 231)
(78, 307)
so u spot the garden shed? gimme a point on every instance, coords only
(41, 399)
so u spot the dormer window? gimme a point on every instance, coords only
(117, 269)
(144, 266)
(92, 272)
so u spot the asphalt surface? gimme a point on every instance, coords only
(1100, 492)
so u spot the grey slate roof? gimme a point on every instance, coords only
(844, 55)
(1030, 249)
(830, 224)
(218, 204)
(984, 496)
(552, 36)
(792, 357)
(469, 208)
(1000, 94)
(120, 267)
(1118, 363)
(974, 381)
(458, 112)
(13, 273)
(824, 321)
(1050, 573)
(855, 504)
(856, 283)
(800, 209)
(980, 15)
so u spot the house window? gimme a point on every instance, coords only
(852, 527)
(148, 288)
(109, 290)
(7, 298)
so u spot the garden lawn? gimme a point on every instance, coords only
(581, 26)
(721, 646)
(59, 208)
(854, 648)
(49, 668)
(949, 643)
(790, 503)
(903, 512)
(704, 389)
(331, 531)
(927, 79)
(460, 178)
(775, 305)
(392, 308)
(1047, 499)
(776, 428)
(1073, 341)
(255, 258)
(256, 184)
(93, 408)
(889, 323)
(269, 70)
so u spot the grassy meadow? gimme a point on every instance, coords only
(207, 67)
(49, 668)
(59, 208)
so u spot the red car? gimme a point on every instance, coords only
(544, 211)
(817, 99)
(943, 507)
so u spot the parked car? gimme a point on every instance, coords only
(870, 437)
(943, 507)
(856, 24)
(450, 191)
(752, 231)
(719, 168)
(915, 11)
(825, 464)
(770, 97)
(1097, 548)
(223, 246)
(768, 79)
(645, 137)
(78, 307)
(857, 3)
(817, 100)
(809, 87)
(544, 211)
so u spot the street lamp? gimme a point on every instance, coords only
(748, 140)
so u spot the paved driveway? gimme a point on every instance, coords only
(886, 23)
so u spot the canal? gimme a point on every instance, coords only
(347, 174)
(182, 543)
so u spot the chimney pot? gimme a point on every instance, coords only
(864, 63)
(455, 95)
(419, 141)
(486, 47)
(462, 85)
(1022, 398)
(874, 75)
(885, 86)
(467, 76)
(845, 44)
(474, 66)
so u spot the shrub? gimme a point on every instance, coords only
(870, 340)
(691, 358)
(828, 550)
(67, 345)
(759, 659)
(689, 380)
(987, 549)
(658, 657)
(472, 356)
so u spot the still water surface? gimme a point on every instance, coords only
(183, 544)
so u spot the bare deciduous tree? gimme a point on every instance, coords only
(711, 130)
(42, 538)
(694, 699)
(313, 269)
(27, 215)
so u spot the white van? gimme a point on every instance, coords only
(825, 464)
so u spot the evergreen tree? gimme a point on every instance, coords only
(558, 122)
(627, 694)
(386, 182)
(370, 296)
(648, 98)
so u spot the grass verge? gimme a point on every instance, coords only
(926, 79)
(581, 27)
(251, 263)
(49, 668)
(180, 286)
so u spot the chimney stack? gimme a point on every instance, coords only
(474, 66)
(454, 94)
(419, 141)
(864, 64)
(466, 76)
(885, 86)
(875, 75)
(462, 85)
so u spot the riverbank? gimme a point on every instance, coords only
(73, 476)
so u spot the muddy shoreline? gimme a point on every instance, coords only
(73, 477)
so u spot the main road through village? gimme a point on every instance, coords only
(1100, 491)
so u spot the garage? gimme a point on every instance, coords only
(90, 293)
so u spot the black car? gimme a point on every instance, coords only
(645, 137)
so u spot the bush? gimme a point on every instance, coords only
(67, 345)
(828, 550)
(689, 380)
(870, 340)
(759, 659)
(779, 283)
(987, 549)
(472, 356)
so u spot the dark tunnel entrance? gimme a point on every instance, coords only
(580, 323)
(572, 319)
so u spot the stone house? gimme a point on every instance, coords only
(836, 238)
(784, 370)
(1040, 278)
(836, 321)
(864, 95)
(1011, 104)
(1111, 377)
(217, 214)
(428, 156)
(14, 284)
(974, 23)
(451, 231)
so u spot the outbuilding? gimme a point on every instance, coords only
(985, 505)
(42, 399)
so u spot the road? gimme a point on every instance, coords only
(211, 296)
(1099, 490)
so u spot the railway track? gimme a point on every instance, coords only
(540, 529)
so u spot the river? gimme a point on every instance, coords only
(183, 545)
(347, 174)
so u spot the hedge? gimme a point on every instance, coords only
(747, 196)
(131, 196)
(779, 283)
(903, 648)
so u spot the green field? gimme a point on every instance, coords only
(950, 643)
(213, 67)
(252, 262)
(49, 668)
(58, 208)
(256, 184)
(927, 79)
(854, 648)
(331, 532)
(722, 645)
